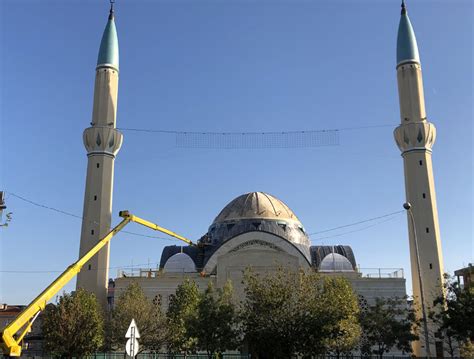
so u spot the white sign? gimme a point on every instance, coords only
(132, 343)
(131, 347)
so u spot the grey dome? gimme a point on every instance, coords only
(179, 263)
(335, 262)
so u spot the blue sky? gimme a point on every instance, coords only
(228, 66)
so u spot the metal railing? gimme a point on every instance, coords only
(381, 272)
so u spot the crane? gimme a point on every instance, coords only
(14, 332)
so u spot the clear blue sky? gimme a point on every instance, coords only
(228, 66)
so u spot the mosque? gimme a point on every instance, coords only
(257, 229)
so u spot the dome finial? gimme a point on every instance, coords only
(111, 13)
(404, 8)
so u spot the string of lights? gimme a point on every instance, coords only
(263, 133)
(254, 140)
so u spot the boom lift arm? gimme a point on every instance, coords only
(11, 341)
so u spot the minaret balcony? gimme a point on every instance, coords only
(415, 136)
(102, 140)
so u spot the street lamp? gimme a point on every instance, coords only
(407, 206)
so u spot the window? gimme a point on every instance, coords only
(424, 195)
(92, 231)
(431, 265)
(427, 230)
(421, 163)
(95, 198)
(89, 267)
(98, 165)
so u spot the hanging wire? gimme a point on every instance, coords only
(82, 218)
(254, 140)
(356, 223)
(354, 231)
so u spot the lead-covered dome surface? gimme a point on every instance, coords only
(258, 212)
(256, 205)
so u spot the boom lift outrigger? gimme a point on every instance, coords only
(11, 343)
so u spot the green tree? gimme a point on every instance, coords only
(339, 307)
(75, 326)
(215, 326)
(453, 315)
(182, 310)
(269, 322)
(386, 324)
(288, 313)
(150, 320)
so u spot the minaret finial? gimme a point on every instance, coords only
(111, 13)
(404, 8)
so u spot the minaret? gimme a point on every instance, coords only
(102, 142)
(415, 138)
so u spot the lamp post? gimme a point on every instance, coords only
(407, 206)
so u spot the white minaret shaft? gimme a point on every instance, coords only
(415, 138)
(102, 142)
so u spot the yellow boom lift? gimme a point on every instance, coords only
(13, 333)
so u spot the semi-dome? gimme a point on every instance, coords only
(256, 205)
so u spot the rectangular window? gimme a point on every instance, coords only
(424, 195)
(95, 198)
(431, 265)
(89, 267)
(427, 230)
(98, 165)
(421, 163)
(92, 231)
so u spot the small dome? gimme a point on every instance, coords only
(256, 205)
(179, 263)
(335, 262)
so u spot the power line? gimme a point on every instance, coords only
(356, 223)
(171, 239)
(60, 271)
(81, 218)
(355, 230)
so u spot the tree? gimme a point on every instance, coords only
(181, 310)
(215, 326)
(290, 313)
(270, 325)
(387, 324)
(75, 326)
(151, 322)
(453, 315)
(340, 308)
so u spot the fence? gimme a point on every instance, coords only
(222, 356)
(39, 355)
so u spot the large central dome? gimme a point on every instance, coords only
(256, 205)
(258, 212)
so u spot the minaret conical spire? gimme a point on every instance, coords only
(109, 48)
(407, 48)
